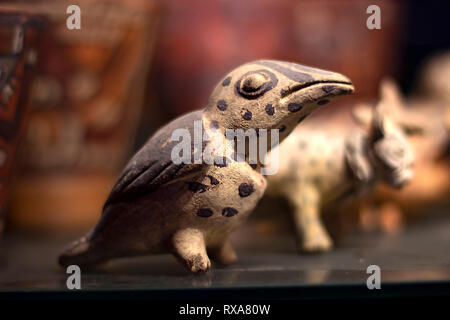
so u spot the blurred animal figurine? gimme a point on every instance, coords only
(323, 165)
(429, 110)
(190, 209)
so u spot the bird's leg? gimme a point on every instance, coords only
(311, 233)
(223, 254)
(188, 245)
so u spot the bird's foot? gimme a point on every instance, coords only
(188, 245)
(198, 263)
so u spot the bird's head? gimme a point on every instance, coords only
(269, 94)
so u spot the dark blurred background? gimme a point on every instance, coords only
(426, 33)
(99, 92)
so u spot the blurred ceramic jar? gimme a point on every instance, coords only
(19, 39)
(85, 107)
(334, 35)
(202, 39)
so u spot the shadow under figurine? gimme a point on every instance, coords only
(322, 167)
(190, 209)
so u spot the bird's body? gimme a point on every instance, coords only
(190, 209)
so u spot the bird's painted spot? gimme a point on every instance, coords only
(204, 212)
(245, 189)
(213, 180)
(229, 212)
(222, 105)
(282, 128)
(294, 107)
(322, 102)
(246, 114)
(270, 110)
(214, 124)
(254, 166)
(226, 81)
(195, 186)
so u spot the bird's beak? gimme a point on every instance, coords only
(319, 89)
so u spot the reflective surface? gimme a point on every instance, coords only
(419, 254)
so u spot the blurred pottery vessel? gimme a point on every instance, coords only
(85, 106)
(19, 39)
(201, 39)
(334, 34)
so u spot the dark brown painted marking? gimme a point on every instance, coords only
(294, 107)
(270, 110)
(229, 212)
(322, 102)
(213, 180)
(245, 189)
(289, 73)
(204, 212)
(214, 124)
(222, 105)
(305, 68)
(246, 114)
(226, 81)
(195, 186)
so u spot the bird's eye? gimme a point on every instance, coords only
(254, 84)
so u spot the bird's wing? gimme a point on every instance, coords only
(152, 166)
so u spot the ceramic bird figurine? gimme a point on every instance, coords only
(322, 166)
(189, 209)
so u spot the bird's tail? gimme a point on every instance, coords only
(81, 253)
